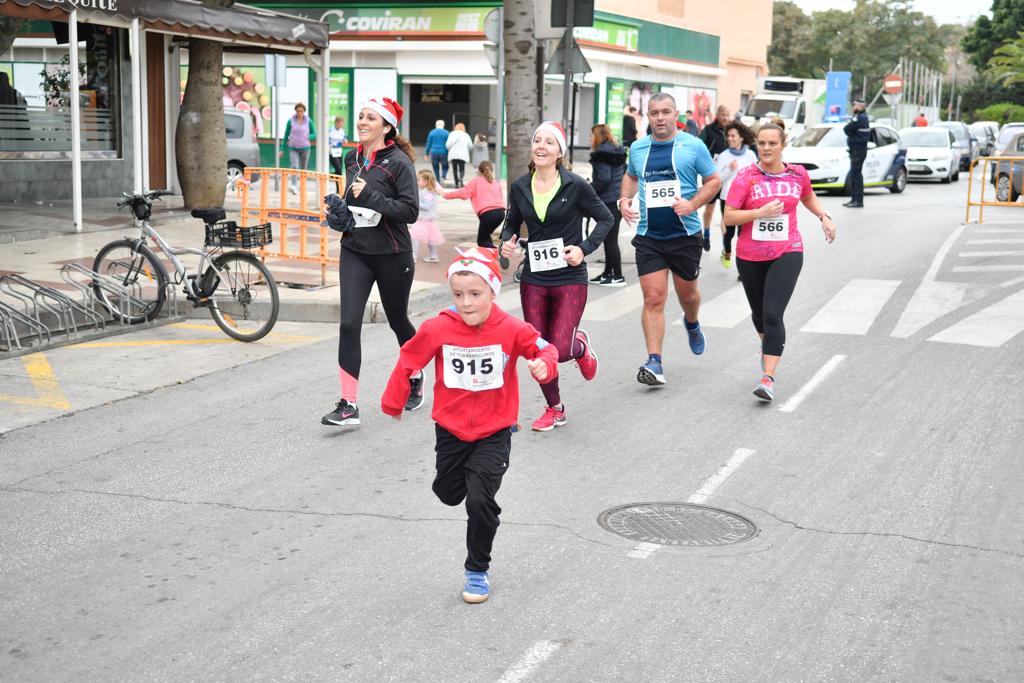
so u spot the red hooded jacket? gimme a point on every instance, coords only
(455, 346)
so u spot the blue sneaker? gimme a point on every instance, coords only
(707, 239)
(477, 588)
(696, 336)
(651, 373)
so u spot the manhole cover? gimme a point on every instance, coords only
(677, 524)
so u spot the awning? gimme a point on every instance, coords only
(190, 17)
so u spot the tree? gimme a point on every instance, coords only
(791, 41)
(520, 83)
(986, 35)
(200, 144)
(1007, 64)
(9, 27)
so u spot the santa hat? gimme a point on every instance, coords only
(482, 261)
(388, 109)
(556, 130)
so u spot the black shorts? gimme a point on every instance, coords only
(681, 255)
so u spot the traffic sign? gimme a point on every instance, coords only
(893, 83)
(492, 26)
(578, 63)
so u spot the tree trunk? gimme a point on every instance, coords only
(199, 142)
(521, 97)
(9, 27)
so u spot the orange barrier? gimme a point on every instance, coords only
(298, 216)
(1003, 174)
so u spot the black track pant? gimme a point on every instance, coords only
(393, 274)
(730, 231)
(458, 171)
(612, 252)
(857, 157)
(489, 222)
(472, 471)
(768, 286)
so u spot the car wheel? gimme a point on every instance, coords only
(236, 172)
(956, 175)
(899, 182)
(1004, 193)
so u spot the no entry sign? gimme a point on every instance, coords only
(892, 84)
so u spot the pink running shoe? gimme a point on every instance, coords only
(552, 417)
(587, 363)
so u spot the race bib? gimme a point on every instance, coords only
(661, 193)
(336, 151)
(546, 255)
(474, 369)
(774, 229)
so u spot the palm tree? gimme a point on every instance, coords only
(1007, 63)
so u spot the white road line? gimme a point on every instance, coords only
(712, 483)
(995, 231)
(940, 255)
(930, 301)
(1008, 268)
(826, 370)
(990, 327)
(538, 653)
(854, 307)
(728, 309)
(998, 241)
(614, 305)
(989, 254)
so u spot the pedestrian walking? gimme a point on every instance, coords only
(485, 195)
(480, 152)
(762, 200)
(858, 132)
(553, 202)
(608, 164)
(299, 133)
(475, 346)
(734, 159)
(458, 146)
(425, 228)
(663, 169)
(689, 125)
(336, 138)
(437, 151)
(630, 126)
(382, 193)
(713, 136)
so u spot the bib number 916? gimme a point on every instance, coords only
(547, 255)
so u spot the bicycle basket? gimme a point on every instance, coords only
(228, 234)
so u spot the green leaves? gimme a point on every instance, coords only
(1007, 63)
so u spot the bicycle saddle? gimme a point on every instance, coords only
(209, 216)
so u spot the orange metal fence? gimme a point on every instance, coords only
(282, 196)
(1004, 174)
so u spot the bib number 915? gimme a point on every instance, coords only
(485, 366)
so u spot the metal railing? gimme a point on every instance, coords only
(1004, 173)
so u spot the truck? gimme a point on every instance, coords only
(799, 102)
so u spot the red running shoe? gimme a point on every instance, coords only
(552, 417)
(587, 363)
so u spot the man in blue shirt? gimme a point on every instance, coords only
(663, 169)
(437, 151)
(858, 132)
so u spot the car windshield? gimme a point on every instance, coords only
(760, 107)
(924, 138)
(979, 129)
(959, 129)
(821, 137)
(1009, 131)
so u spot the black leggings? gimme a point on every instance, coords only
(768, 286)
(458, 171)
(730, 231)
(489, 222)
(393, 274)
(612, 252)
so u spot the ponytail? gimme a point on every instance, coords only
(486, 169)
(402, 143)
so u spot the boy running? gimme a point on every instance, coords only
(474, 345)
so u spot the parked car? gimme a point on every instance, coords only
(986, 132)
(932, 153)
(1006, 134)
(1008, 176)
(243, 147)
(821, 149)
(968, 143)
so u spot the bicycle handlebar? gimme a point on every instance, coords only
(132, 197)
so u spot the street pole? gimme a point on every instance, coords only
(570, 7)
(499, 147)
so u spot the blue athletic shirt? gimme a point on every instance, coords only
(683, 159)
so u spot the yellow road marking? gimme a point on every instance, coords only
(195, 326)
(49, 394)
(272, 339)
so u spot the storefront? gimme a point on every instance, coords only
(91, 121)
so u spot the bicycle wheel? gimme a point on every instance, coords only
(138, 270)
(245, 302)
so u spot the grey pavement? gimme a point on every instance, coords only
(207, 527)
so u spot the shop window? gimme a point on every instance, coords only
(35, 94)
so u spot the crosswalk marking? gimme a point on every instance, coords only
(989, 254)
(614, 305)
(726, 310)
(930, 301)
(996, 231)
(991, 327)
(854, 308)
(1008, 268)
(998, 241)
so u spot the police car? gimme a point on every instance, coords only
(821, 149)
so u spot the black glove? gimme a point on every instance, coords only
(339, 218)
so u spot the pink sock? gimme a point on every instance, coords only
(349, 386)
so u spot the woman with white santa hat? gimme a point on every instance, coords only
(552, 202)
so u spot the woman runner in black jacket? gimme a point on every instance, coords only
(608, 164)
(381, 191)
(552, 202)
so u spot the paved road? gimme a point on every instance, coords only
(211, 529)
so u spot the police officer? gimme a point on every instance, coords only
(858, 131)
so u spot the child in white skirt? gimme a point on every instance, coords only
(424, 229)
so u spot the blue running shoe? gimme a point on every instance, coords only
(707, 239)
(477, 588)
(696, 336)
(651, 373)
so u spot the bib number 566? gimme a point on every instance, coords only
(772, 226)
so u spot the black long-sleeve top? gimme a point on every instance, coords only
(390, 190)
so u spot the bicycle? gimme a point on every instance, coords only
(235, 286)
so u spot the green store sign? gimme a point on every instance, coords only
(422, 20)
(609, 34)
